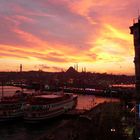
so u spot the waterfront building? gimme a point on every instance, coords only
(135, 31)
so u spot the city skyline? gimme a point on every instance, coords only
(55, 34)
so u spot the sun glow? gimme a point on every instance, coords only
(53, 35)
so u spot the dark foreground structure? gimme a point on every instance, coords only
(135, 30)
(100, 123)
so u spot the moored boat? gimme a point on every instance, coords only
(11, 108)
(43, 107)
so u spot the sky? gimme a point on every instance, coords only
(53, 35)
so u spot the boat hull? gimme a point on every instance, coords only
(68, 105)
(11, 117)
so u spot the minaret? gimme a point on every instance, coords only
(135, 30)
(77, 67)
(20, 67)
(84, 69)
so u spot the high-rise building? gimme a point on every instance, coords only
(135, 30)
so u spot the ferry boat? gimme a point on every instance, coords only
(43, 107)
(11, 107)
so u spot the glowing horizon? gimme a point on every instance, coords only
(55, 34)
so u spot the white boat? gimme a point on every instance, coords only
(43, 107)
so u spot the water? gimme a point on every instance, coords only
(89, 101)
(21, 131)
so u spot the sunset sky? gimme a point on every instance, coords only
(54, 34)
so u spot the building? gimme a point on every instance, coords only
(135, 31)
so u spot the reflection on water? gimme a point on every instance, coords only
(21, 131)
(88, 101)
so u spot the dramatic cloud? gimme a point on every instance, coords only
(93, 33)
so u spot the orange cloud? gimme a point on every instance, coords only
(93, 33)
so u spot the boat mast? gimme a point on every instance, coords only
(21, 81)
(2, 89)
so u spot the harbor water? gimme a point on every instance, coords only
(21, 131)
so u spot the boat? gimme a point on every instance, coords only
(11, 107)
(43, 107)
